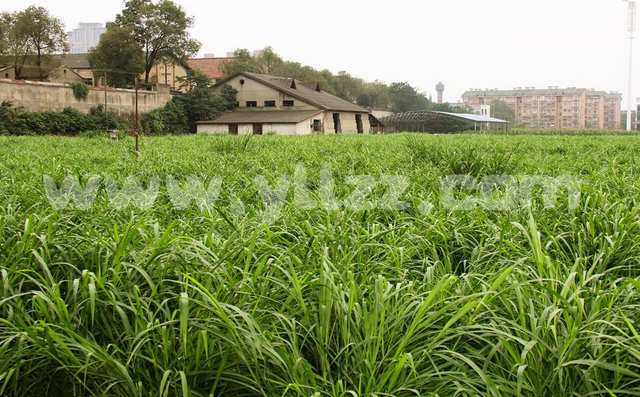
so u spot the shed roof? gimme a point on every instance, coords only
(476, 118)
(263, 117)
(321, 99)
(211, 67)
(73, 61)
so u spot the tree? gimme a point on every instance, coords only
(502, 110)
(120, 53)
(201, 102)
(160, 29)
(405, 98)
(14, 44)
(375, 96)
(41, 32)
(5, 26)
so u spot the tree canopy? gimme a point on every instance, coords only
(502, 110)
(119, 52)
(31, 33)
(161, 30)
(397, 97)
(43, 33)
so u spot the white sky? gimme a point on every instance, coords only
(464, 43)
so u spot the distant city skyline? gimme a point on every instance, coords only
(85, 37)
(465, 44)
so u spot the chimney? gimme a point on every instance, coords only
(293, 84)
(318, 87)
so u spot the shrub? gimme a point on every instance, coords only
(80, 91)
(15, 121)
(152, 123)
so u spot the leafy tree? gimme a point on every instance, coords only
(13, 43)
(160, 29)
(502, 110)
(398, 96)
(348, 87)
(405, 98)
(202, 102)
(43, 33)
(119, 52)
(375, 96)
(447, 107)
(5, 26)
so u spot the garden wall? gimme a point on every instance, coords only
(40, 97)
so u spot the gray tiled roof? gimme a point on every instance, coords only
(73, 61)
(321, 99)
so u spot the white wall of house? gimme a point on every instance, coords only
(212, 129)
(302, 128)
(253, 91)
(347, 122)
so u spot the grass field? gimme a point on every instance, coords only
(418, 301)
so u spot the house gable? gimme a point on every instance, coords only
(263, 96)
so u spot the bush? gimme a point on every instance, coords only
(80, 91)
(152, 123)
(16, 121)
(173, 118)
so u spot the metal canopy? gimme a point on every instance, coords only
(476, 118)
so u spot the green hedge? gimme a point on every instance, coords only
(16, 121)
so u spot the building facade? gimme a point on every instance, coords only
(85, 37)
(569, 108)
(280, 105)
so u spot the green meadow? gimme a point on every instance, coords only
(422, 299)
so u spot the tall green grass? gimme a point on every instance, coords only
(162, 302)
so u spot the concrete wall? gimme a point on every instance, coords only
(303, 128)
(40, 97)
(347, 119)
(347, 122)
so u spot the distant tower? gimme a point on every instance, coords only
(440, 90)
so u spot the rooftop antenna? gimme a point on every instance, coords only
(631, 29)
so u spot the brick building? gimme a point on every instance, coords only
(554, 107)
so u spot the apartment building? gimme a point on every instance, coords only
(85, 37)
(554, 107)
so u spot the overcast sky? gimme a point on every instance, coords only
(463, 43)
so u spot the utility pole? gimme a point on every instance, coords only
(631, 29)
(137, 121)
(104, 85)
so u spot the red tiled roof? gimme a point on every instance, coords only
(211, 67)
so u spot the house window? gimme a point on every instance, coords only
(269, 104)
(252, 104)
(6, 75)
(288, 103)
(316, 125)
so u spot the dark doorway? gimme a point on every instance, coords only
(359, 124)
(233, 129)
(317, 126)
(257, 129)
(336, 123)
